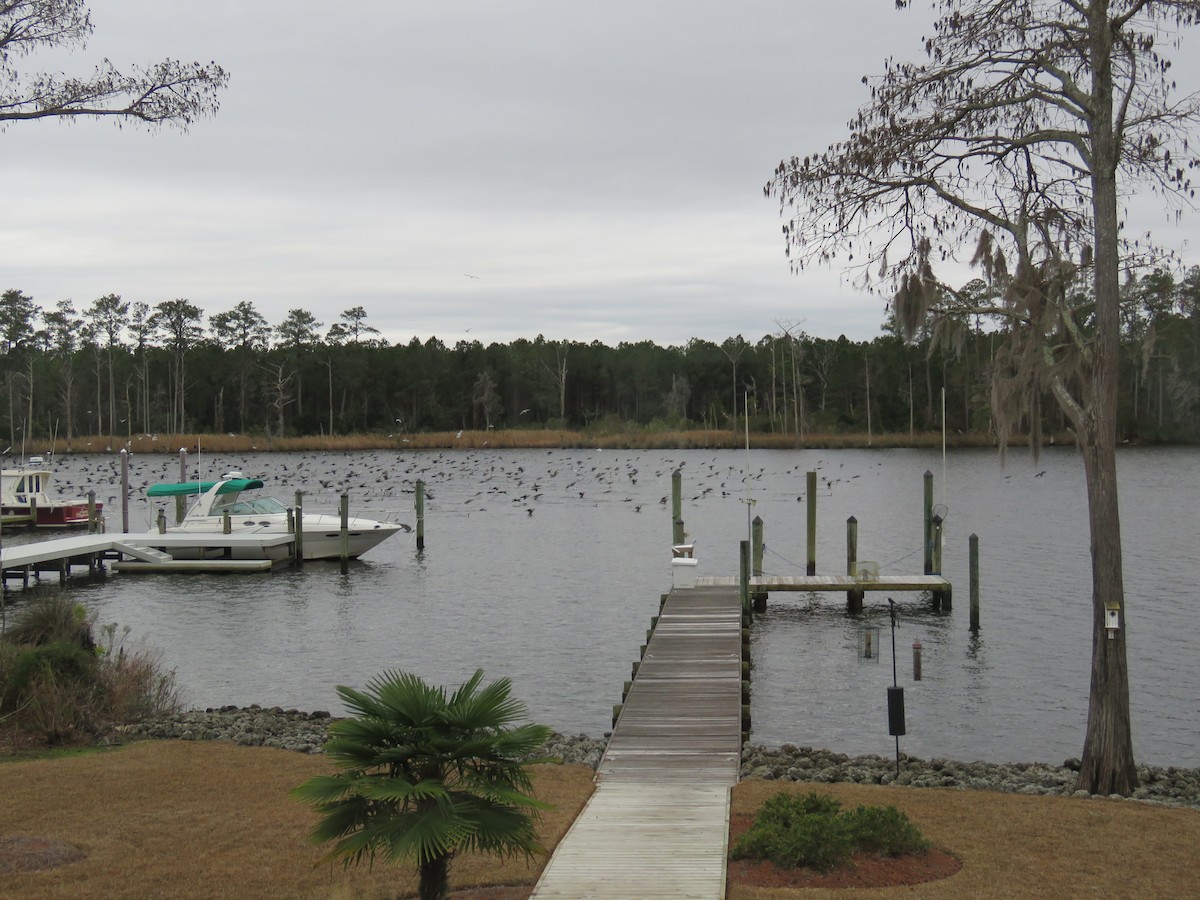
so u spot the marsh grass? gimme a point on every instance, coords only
(630, 438)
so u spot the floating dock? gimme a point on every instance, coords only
(142, 552)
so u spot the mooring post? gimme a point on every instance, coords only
(344, 508)
(420, 515)
(759, 598)
(93, 525)
(916, 660)
(756, 536)
(33, 511)
(226, 523)
(811, 492)
(973, 542)
(162, 521)
(941, 598)
(299, 560)
(854, 596)
(676, 494)
(124, 491)
(928, 522)
(179, 501)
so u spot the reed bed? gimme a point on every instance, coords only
(524, 439)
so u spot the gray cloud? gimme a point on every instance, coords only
(598, 166)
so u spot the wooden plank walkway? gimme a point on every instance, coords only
(657, 825)
(770, 583)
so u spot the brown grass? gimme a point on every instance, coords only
(1020, 846)
(633, 439)
(175, 819)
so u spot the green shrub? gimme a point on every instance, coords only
(49, 618)
(57, 684)
(884, 830)
(793, 830)
(60, 662)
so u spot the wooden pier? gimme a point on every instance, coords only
(768, 583)
(657, 825)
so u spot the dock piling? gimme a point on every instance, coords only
(759, 598)
(420, 515)
(811, 497)
(854, 598)
(299, 560)
(941, 599)
(124, 491)
(179, 501)
(973, 542)
(344, 508)
(928, 542)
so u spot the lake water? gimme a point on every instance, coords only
(547, 566)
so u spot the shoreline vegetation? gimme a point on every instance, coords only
(521, 439)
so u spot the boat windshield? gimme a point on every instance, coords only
(237, 506)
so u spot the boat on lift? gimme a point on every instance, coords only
(232, 499)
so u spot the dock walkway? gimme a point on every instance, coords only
(770, 583)
(657, 825)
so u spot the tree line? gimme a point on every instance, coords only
(120, 368)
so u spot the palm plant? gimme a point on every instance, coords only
(425, 776)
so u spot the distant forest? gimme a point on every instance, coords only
(124, 369)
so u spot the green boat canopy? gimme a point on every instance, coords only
(195, 488)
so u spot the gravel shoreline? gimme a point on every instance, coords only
(305, 732)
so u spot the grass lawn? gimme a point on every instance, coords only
(174, 819)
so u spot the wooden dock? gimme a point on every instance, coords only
(657, 825)
(765, 583)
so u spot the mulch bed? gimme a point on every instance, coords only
(27, 853)
(864, 871)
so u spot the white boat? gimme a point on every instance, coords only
(219, 501)
(27, 498)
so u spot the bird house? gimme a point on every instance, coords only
(868, 643)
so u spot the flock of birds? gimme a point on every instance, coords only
(462, 482)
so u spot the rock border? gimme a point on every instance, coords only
(1166, 786)
(306, 732)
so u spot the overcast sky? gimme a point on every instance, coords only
(597, 167)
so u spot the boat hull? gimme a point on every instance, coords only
(54, 515)
(322, 538)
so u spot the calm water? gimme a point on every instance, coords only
(559, 598)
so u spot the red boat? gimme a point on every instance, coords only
(26, 498)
